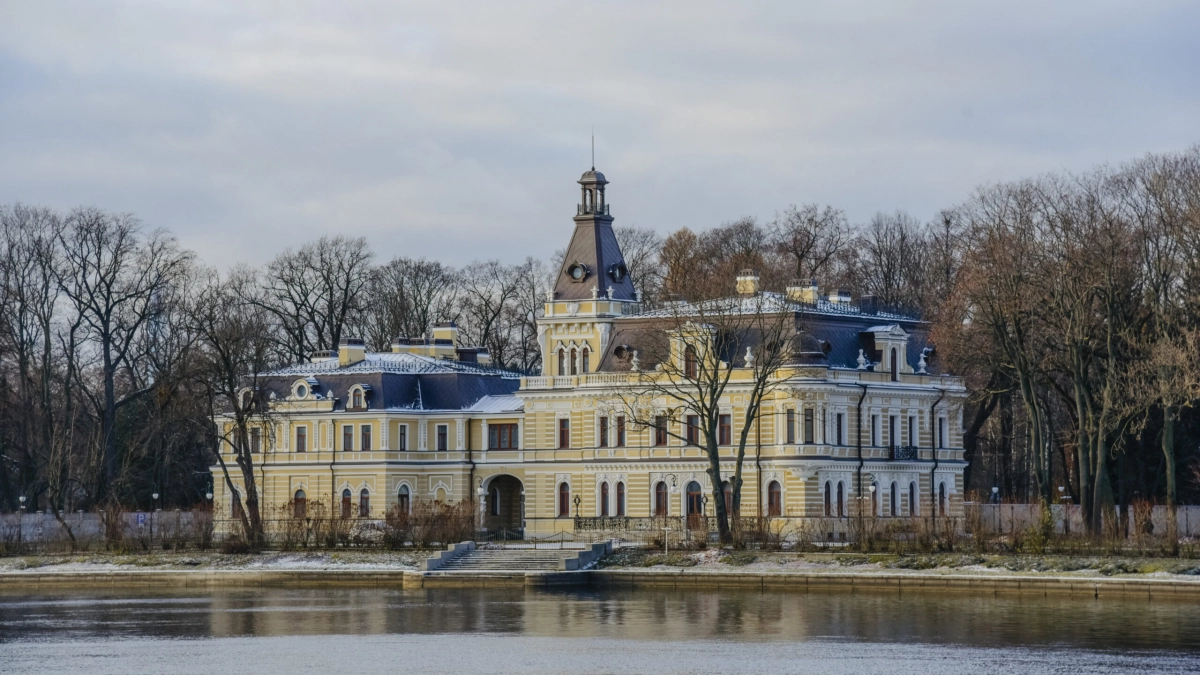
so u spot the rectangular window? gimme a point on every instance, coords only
(891, 431)
(791, 425)
(603, 442)
(693, 429)
(564, 433)
(725, 429)
(347, 437)
(403, 440)
(840, 419)
(808, 425)
(255, 439)
(912, 431)
(502, 437)
(366, 438)
(874, 430)
(942, 432)
(301, 439)
(443, 437)
(620, 432)
(660, 430)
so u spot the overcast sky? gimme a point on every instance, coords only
(456, 131)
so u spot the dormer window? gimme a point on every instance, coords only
(301, 390)
(246, 399)
(357, 397)
(689, 362)
(577, 271)
(618, 272)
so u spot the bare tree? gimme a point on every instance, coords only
(694, 355)
(315, 293)
(112, 275)
(235, 348)
(488, 290)
(533, 280)
(810, 237)
(641, 249)
(406, 297)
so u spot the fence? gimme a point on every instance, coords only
(1068, 519)
(42, 532)
(1003, 527)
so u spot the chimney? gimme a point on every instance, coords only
(839, 297)
(806, 292)
(322, 355)
(747, 282)
(445, 334)
(351, 351)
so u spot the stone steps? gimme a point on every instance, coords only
(517, 560)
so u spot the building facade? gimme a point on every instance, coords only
(855, 424)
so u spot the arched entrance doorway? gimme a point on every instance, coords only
(502, 507)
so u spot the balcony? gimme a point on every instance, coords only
(904, 452)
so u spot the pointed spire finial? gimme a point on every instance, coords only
(593, 148)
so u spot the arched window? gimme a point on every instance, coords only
(299, 504)
(358, 398)
(364, 503)
(828, 500)
(562, 362)
(941, 499)
(912, 499)
(689, 362)
(495, 501)
(895, 366)
(695, 500)
(894, 500)
(841, 499)
(346, 503)
(440, 495)
(574, 365)
(564, 500)
(621, 500)
(660, 499)
(774, 499)
(604, 499)
(727, 492)
(586, 360)
(403, 499)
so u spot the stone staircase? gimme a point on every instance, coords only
(508, 560)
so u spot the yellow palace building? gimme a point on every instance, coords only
(858, 420)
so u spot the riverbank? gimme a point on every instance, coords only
(1096, 577)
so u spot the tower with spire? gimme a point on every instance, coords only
(591, 289)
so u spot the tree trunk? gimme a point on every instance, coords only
(1168, 448)
(714, 475)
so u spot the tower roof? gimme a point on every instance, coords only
(592, 176)
(593, 258)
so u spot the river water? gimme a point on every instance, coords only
(644, 631)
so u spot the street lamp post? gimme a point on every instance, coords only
(155, 496)
(996, 503)
(21, 521)
(666, 540)
(480, 493)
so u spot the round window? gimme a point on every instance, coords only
(618, 272)
(577, 271)
(301, 391)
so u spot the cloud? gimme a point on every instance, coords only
(456, 131)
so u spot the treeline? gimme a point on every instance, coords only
(117, 346)
(1068, 302)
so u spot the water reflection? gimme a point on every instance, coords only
(624, 614)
